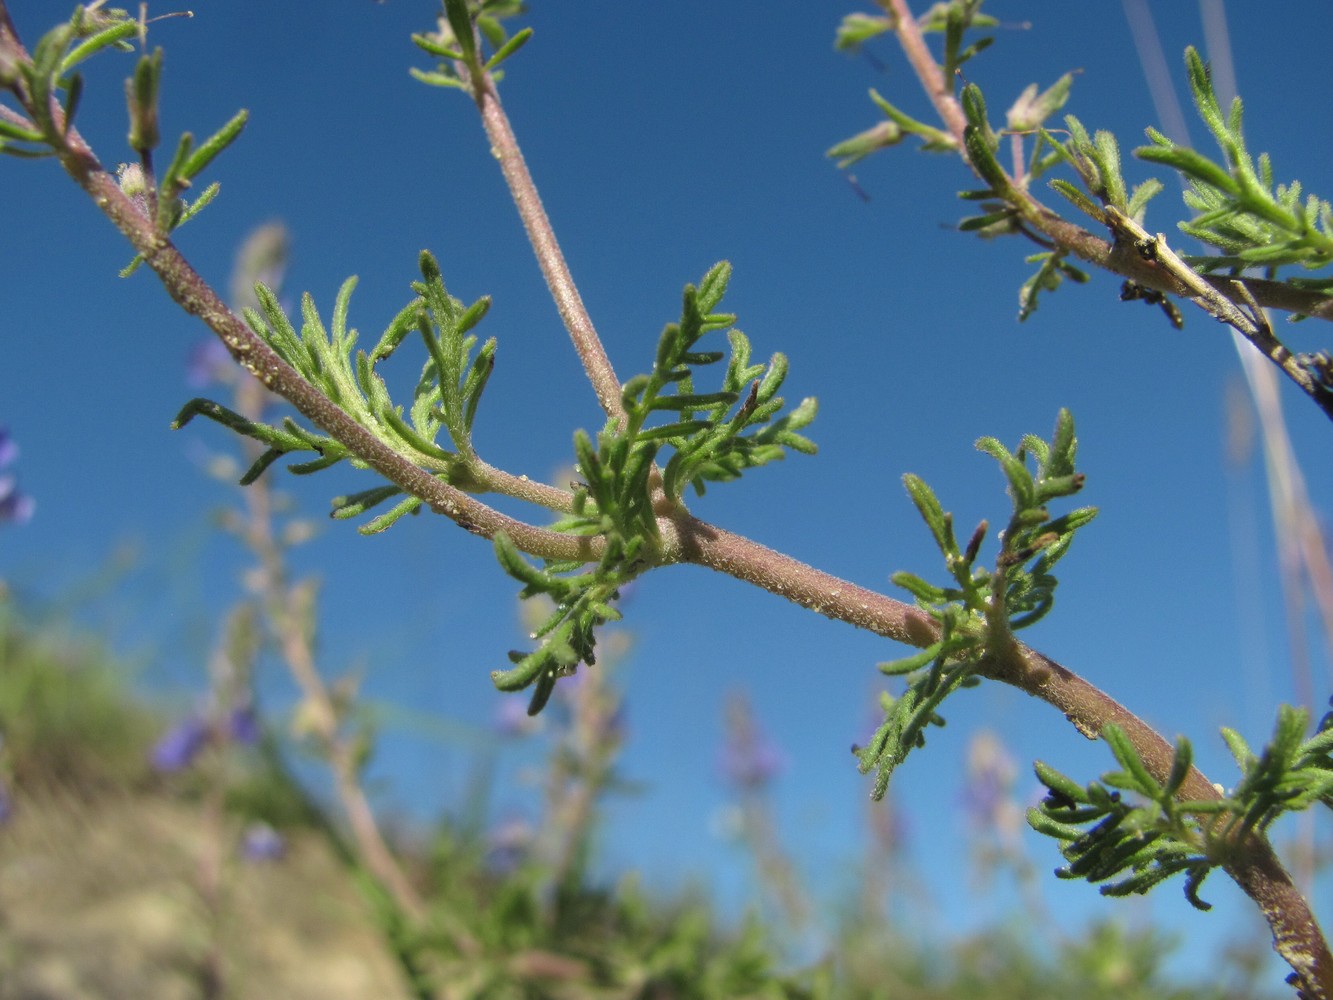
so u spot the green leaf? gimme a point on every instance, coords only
(1240, 750)
(982, 157)
(1078, 199)
(919, 588)
(408, 505)
(141, 94)
(509, 48)
(940, 523)
(713, 286)
(114, 34)
(214, 145)
(1021, 485)
(916, 661)
(857, 29)
(1131, 761)
(879, 136)
(460, 23)
(1059, 783)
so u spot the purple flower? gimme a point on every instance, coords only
(6, 804)
(751, 765)
(508, 844)
(9, 449)
(261, 842)
(181, 744)
(988, 796)
(15, 505)
(243, 726)
(749, 760)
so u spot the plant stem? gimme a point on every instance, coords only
(546, 247)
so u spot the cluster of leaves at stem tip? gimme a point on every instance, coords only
(455, 42)
(979, 609)
(712, 436)
(1236, 206)
(50, 77)
(1131, 846)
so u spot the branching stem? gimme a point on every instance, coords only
(685, 539)
(1208, 291)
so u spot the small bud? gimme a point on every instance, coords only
(141, 96)
(134, 185)
(1032, 109)
(974, 544)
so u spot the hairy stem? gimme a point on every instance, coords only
(568, 302)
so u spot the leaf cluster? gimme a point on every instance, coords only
(954, 19)
(446, 396)
(1095, 159)
(1237, 208)
(710, 441)
(455, 42)
(49, 77)
(979, 609)
(1156, 835)
(1021, 588)
(712, 436)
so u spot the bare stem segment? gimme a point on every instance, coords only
(546, 247)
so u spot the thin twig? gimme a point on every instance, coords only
(546, 247)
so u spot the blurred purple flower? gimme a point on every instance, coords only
(15, 505)
(508, 843)
(243, 726)
(9, 449)
(988, 795)
(261, 842)
(749, 760)
(6, 804)
(208, 360)
(181, 744)
(752, 765)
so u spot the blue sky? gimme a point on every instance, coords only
(664, 138)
